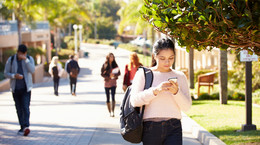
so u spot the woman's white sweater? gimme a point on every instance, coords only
(164, 104)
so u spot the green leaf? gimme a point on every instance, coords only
(175, 12)
(156, 1)
(166, 19)
(202, 18)
(157, 23)
(210, 35)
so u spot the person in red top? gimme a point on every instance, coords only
(130, 70)
(110, 72)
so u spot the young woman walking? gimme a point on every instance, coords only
(165, 100)
(110, 72)
(130, 70)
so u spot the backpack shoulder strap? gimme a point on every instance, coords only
(148, 74)
(12, 59)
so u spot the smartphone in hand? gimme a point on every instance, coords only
(173, 79)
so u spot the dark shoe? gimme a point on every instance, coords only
(26, 131)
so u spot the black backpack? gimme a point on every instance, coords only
(131, 120)
(55, 72)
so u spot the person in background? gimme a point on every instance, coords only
(73, 70)
(130, 70)
(19, 69)
(110, 72)
(55, 70)
(164, 100)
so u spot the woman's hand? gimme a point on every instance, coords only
(175, 88)
(166, 86)
(112, 75)
(124, 87)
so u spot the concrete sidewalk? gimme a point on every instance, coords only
(80, 120)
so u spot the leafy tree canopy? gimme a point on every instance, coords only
(204, 24)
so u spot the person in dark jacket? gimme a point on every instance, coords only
(19, 69)
(73, 70)
(110, 72)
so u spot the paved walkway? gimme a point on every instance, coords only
(69, 120)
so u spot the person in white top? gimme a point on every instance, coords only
(164, 100)
(56, 71)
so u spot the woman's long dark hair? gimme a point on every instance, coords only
(106, 66)
(161, 44)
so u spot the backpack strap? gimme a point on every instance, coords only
(148, 74)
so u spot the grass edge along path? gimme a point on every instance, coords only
(224, 120)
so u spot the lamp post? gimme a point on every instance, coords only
(80, 36)
(75, 27)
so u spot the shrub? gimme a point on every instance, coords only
(204, 96)
(237, 96)
(69, 42)
(131, 47)
(35, 51)
(63, 53)
(101, 41)
(256, 97)
(215, 96)
(7, 54)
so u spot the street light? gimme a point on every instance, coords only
(80, 36)
(75, 27)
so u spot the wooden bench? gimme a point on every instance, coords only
(206, 80)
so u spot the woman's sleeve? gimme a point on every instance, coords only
(103, 72)
(183, 97)
(139, 96)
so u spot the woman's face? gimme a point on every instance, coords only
(111, 58)
(165, 60)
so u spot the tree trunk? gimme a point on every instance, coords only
(223, 77)
(191, 68)
(19, 27)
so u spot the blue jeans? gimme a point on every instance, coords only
(22, 100)
(162, 133)
(73, 82)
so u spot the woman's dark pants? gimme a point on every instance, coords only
(162, 133)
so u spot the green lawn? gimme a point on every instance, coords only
(224, 120)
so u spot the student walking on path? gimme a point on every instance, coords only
(19, 69)
(55, 70)
(130, 70)
(73, 70)
(110, 72)
(165, 100)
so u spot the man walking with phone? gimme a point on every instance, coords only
(19, 69)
